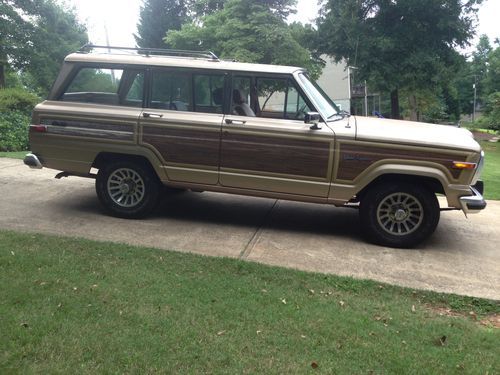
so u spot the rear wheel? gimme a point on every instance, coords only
(399, 214)
(127, 189)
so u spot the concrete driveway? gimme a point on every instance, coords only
(462, 257)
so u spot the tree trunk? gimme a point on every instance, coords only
(2, 75)
(3, 63)
(412, 102)
(395, 104)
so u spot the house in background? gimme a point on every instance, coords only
(334, 81)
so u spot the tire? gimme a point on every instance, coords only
(399, 214)
(128, 189)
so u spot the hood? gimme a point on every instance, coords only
(414, 133)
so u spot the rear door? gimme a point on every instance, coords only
(182, 123)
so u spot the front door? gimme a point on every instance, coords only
(182, 123)
(266, 145)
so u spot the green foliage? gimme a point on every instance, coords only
(491, 81)
(14, 131)
(94, 80)
(248, 31)
(404, 45)
(491, 117)
(156, 18)
(35, 36)
(17, 99)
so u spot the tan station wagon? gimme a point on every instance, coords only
(147, 118)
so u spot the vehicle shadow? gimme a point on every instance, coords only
(226, 209)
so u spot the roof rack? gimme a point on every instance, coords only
(87, 48)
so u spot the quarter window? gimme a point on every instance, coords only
(106, 86)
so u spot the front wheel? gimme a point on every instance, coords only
(127, 189)
(399, 214)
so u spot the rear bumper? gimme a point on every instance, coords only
(472, 204)
(32, 161)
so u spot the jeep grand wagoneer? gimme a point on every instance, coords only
(146, 118)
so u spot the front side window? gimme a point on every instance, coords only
(279, 98)
(106, 86)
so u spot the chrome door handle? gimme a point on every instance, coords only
(155, 115)
(235, 122)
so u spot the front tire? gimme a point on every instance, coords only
(399, 214)
(127, 189)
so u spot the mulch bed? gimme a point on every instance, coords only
(480, 136)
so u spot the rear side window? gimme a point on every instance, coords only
(123, 87)
(171, 90)
(183, 91)
(209, 93)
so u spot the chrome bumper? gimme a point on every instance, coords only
(472, 204)
(32, 161)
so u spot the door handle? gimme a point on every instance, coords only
(149, 114)
(235, 122)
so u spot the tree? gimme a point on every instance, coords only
(491, 80)
(404, 45)
(156, 18)
(249, 31)
(35, 36)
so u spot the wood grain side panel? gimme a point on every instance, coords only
(184, 146)
(275, 155)
(355, 159)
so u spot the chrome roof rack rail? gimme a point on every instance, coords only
(87, 48)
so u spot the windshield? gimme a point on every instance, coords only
(323, 103)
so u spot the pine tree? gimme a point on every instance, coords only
(156, 18)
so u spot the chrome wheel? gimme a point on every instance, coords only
(126, 187)
(400, 214)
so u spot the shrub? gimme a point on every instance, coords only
(17, 99)
(492, 111)
(14, 131)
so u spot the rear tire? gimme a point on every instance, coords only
(128, 189)
(399, 214)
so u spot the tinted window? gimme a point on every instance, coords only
(171, 90)
(106, 86)
(208, 93)
(242, 102)
(174, 91)
(279, 98)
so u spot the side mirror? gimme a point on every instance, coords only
(313, 118)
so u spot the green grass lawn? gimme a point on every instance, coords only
(91, 307)
(13, 155)
(491, 172)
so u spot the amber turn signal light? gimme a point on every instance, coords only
(463, 165)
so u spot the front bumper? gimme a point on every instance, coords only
(473, 204)
(32, 161)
